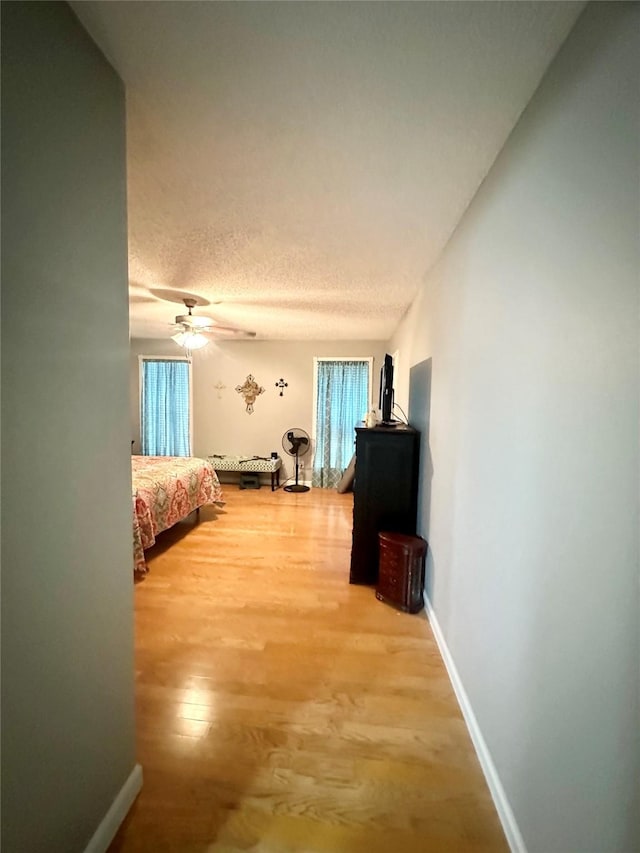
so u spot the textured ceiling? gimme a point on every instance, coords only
(303, 164)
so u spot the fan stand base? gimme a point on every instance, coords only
(296, 488)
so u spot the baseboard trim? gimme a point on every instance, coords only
(501, 802)
(104, 834)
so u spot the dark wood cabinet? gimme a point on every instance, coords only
(401, 575)
(385, 493)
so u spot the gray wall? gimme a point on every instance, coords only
(221, 424)
(67, 616)
(529, 329)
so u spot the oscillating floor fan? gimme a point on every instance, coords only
(296, 443)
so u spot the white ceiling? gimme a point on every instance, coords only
(304, 163)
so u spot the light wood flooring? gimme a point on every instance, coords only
(280, 709)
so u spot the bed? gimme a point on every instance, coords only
(165, 490)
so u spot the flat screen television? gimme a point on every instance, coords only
(386, 390)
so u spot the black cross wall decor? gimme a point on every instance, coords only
(281, 384)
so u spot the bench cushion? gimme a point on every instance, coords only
(223, 462)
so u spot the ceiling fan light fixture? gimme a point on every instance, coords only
(190, 340)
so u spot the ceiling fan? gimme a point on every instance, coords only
(194, 331)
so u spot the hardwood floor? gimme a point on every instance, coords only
(281, 709)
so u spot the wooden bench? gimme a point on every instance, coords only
(249, 464)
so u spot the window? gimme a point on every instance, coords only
(342, 399)
(165, 406)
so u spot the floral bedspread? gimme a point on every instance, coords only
(165, 490)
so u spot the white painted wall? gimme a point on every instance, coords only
(67, 615)
(530, 320)
(221, 424)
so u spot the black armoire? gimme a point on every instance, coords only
(385, 492)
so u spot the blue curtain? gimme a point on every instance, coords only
(165, 408)
(342, 402)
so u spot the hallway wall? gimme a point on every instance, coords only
(524, 345)
(68, 738)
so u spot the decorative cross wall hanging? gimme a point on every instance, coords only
(282, 385)
(250, 390)
(219, 386)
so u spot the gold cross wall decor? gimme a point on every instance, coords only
(250, 390)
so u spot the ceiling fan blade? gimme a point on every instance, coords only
(227, 331)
